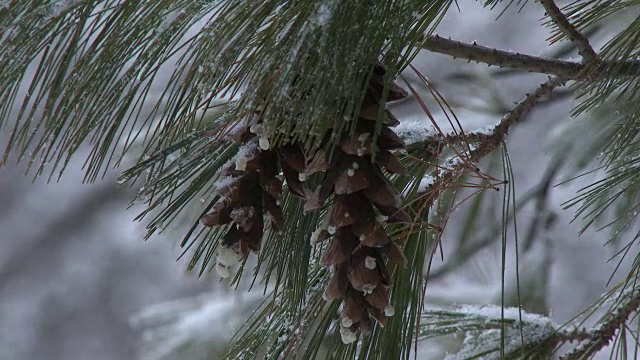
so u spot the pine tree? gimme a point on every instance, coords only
(277, 117)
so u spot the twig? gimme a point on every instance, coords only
(570, 70)
(580, 41)
(502, 58)
(491, 142)
(521, 109)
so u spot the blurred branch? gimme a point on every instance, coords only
(570, 70)
(539, 194)
(580, 41)
(542, 215)
(61, 231)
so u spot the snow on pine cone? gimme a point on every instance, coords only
(363, 201)
(250, 191)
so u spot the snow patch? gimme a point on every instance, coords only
(346, 322)
(347, 335)
(425, 183)
(225, 182)
(264, 143)
(227, 256)
(245, 153)
(534, 327)
(323, 14)
(370, 262)
(222, 270)
(367, 289)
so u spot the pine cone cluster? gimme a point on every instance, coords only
(363, 201)
(250, 191)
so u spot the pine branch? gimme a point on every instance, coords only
(502, 58)
(580, 41)
(601, 335)
(513, 116)
(575, 334)
(570, 70)
(450, 173)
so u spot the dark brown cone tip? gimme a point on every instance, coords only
(358, 144)
(379, 298)
(365, 324)
(377, 85)
(318, 163)
(313, 201)
(392, 120)
(328, 184)
(274, 212)
(338, 251)
(379, 315)
(350, 181)
(294, 157)
(381, 193)
(385, 277)
(321, 236)
(269, 165)
(397, 93)
(254, 236)
(354, 307)
(394, 214)
(370, 233)
(253, 163)
(233, 236)
(338, 284)
(272, 186)
(389, 140)
(370, 109)
(370, 113)
(395, 254)
(294, 184)
(219, 215)
(390, 162)
(341, 214)
(360, 277)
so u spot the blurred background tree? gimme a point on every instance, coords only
(257, 126)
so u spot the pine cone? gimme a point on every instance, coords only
(364, 201)
(250, 191)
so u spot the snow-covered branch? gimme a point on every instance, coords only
(601, 335)
(491, 141)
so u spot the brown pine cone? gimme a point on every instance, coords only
(363, 201)
(250, 191)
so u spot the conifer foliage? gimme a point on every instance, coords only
(274, 126)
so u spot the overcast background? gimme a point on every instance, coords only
(74, 268)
